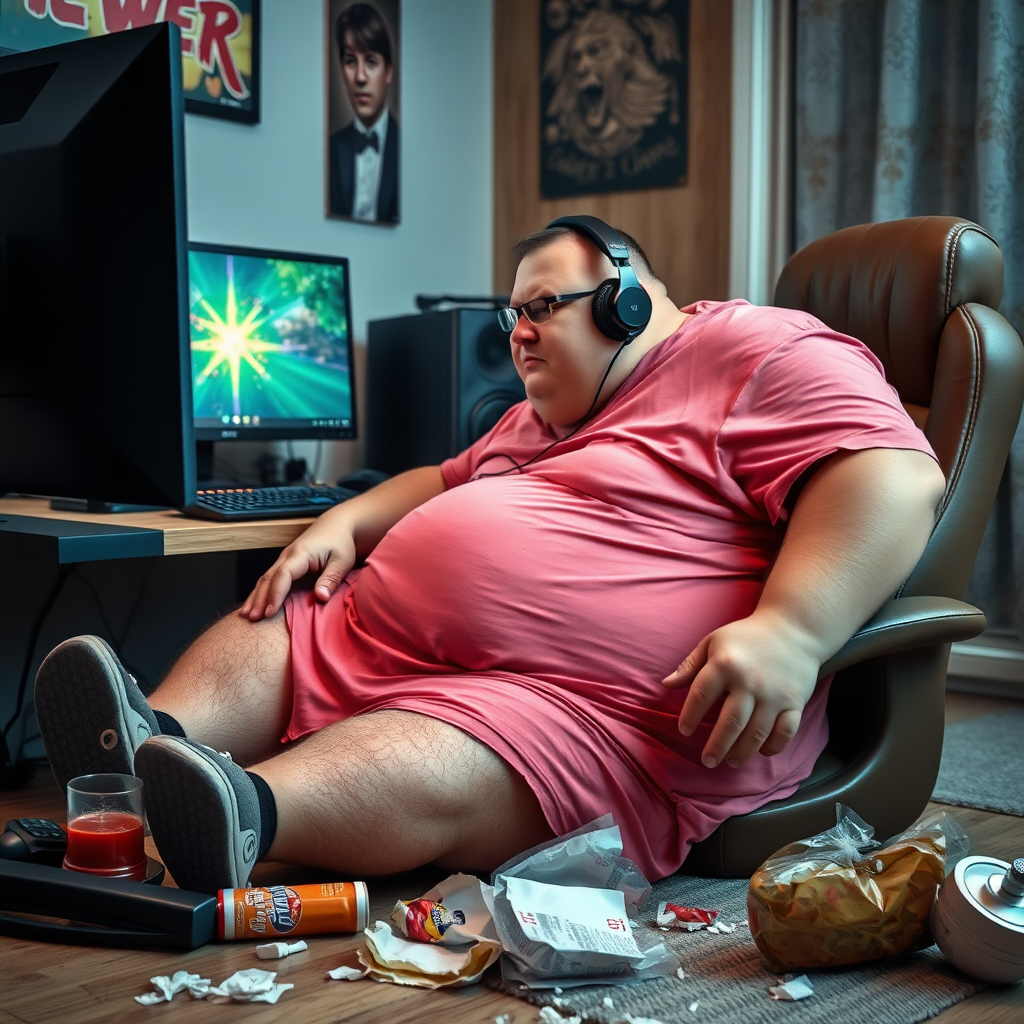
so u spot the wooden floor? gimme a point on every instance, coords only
(42, 983)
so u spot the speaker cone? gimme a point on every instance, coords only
(488, 411)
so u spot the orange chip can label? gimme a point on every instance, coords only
(276, 910)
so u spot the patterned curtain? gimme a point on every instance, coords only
(913, 107)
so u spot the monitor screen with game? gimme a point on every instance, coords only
(271, 345)
(95, 396)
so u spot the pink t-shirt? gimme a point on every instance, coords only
(538, 610)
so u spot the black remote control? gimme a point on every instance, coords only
(33, 839)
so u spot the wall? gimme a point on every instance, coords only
(684, 229)
(263, 185)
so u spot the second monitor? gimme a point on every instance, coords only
(271, 345)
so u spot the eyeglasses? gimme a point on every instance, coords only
(537, 311)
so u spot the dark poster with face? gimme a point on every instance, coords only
(613, 96)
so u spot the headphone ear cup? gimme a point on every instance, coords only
(603, 309)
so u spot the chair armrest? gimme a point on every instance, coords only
(905, 623)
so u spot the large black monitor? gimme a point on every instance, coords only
(271, 346)
(95, 396)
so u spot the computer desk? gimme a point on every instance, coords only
(68, 537)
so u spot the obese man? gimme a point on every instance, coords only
(616, 601)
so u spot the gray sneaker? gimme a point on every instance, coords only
(203, 812)
(91, 714)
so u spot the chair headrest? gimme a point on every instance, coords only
(893, 285)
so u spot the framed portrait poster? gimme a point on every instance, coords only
(219, 42)
(614, 82)
(363, 112)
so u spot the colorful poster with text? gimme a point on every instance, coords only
(219, 41)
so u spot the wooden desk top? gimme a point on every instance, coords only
(181, 535)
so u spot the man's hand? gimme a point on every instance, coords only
(857, 529)
(339, 538)
(326, 548)
(762, 668)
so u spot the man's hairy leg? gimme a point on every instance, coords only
(392, 790)
(232, 688)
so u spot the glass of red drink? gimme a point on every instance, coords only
(105, 830)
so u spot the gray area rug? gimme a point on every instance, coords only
(728, 980)
(983, 763)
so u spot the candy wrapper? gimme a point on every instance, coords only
(841, 897)
(457, 911)
(445, 937)
(564, 911)
(690, 919)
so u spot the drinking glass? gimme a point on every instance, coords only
(105, 826)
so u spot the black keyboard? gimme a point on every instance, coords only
(266, 502)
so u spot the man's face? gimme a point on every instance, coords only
(561, 362)
(367, 78)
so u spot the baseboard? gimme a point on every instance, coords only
(985, 687)
(990, 664)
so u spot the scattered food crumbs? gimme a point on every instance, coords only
(558, 991)
(693, 1006)
(680, 974)
(608, 1003)
(348, 973)
(798, 988)
(722, 929)
(503, 1018)
(549, 1015)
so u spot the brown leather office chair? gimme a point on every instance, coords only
(922, 293)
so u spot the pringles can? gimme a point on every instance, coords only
(272, 910)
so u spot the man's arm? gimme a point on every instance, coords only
(339, 538)
(856, 532)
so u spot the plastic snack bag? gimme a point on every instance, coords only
(841, 897)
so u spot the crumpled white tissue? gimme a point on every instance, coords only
(347, 973)
(169, 987)
(798, 988)
(251, 986)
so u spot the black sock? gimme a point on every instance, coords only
(168, 725)
(268, 813)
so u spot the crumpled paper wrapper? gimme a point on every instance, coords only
(565, 911)
(389, 957)
(457, 911)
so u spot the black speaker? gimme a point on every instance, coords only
(435, 383)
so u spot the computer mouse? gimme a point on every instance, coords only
(363, 479)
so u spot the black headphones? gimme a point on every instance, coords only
(621, 307)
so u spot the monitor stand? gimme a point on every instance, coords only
(204, 463)
(205, 480)
(101, 507)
